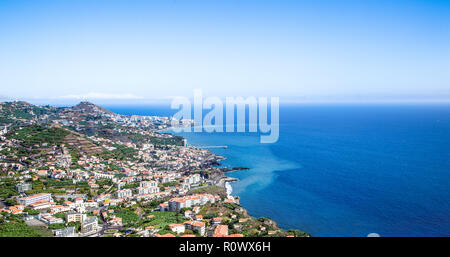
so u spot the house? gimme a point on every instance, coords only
(15, 210)
(69, 204)
(196, 209)
(216, 220)
(49, 219)
(115, 221)
(229, 200)
(58, 209)
(164, 206)
(177, 228)
(195, 226)
(220, 231)
(78, 201)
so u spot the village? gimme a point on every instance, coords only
(64, 175)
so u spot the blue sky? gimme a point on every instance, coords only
(139, 51)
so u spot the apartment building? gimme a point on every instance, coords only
(198, 226)
(147, 190)
(89, 225)
(22, 187)
(35, 198)
(177, 203)
(75, 217)
(124, 193)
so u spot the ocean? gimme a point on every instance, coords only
(342, 170)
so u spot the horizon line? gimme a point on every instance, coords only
(159, 101)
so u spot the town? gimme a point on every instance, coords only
(84, 171)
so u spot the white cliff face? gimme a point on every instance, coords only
(229, 189)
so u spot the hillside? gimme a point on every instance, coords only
(91, 108)
(38, 137)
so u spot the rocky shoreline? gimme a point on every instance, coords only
(222, 180)
(234, 169)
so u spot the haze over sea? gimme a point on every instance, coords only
(342, 170)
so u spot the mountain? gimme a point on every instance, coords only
(91, 108)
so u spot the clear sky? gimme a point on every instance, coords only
(137, 51)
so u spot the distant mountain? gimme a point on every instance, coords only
(90, 108)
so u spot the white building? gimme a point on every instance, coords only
(75, 217)
(65, 232)
(177, 228)
(22, 187)
(49, 219)
(148, 183)
(195, 226)
(35, 198)
(89, 225)
(177, 203)
(124, 193)
(98, 175)
(147, 190)
(192, 179)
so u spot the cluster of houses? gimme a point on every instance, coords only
(74, 212)
(196, 222)
(170, 175)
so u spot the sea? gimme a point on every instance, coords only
(341, 170)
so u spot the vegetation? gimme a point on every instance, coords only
(121, 153)
(162, 218)
(42, 230)
(209, 190)
(128, 216)
(7, 188)
(17, 229)
(30, 211)
(171, 184)
(38, 135)
(56, 226)
(138, 138)
(14, 226)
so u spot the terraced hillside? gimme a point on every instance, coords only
(41, 137)
(82, 144)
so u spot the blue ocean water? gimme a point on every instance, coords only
(343, 170)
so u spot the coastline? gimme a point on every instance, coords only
(225, 181)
